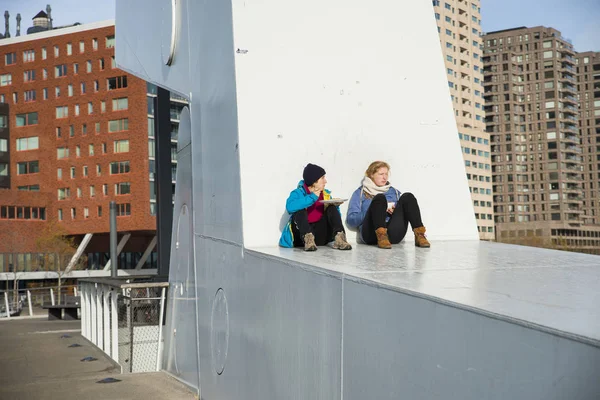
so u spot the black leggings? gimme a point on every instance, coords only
(407, 210)
(324, 229)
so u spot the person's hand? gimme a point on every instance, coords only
(316, 191)
(390, 210)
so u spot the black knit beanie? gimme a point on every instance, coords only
(312, 173)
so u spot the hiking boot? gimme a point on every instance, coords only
(340, 242)
(309, 242)
(420, 238)
(383, 241)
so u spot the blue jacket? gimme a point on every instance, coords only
(298, 200)
(359, 204)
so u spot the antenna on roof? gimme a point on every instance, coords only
(6, 24)
(18, 25)
(49, 12)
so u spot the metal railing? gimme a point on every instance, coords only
(32, 300)
(125, 320)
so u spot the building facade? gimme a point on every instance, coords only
(73, 136)
(533, 118)
(459, 27)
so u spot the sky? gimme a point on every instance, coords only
(578, 20)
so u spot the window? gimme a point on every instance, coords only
(110, 41)
(123, 210)
(85, 170)
(98, 170)
(72, 172)
(104, 150)
(437, 16)
(81, 46)
(121, 146)
(28, 143)
(29, 95)
(88, 66)
(76, 109)
(75, 68)
(122, 188)
(27, 119)
(90, 108)
(448, 32)
(119, 167)
(448, 45)
(447, 6)
(103, 106)
(62, 112)
(59, 173)
(29, 188)
(70, 90)
(60, 70)
(71, 131)
(95, 44)
(91, 149)
(64, 193)
(101, 64)
(120, 104)
(113, 63)
(548, 54)
(29, 76)
(45, 93)
(10, 58)
(118, 125)
(82, 88)
(92, 191)
(28, 167)
(78, 193)
(73, 213)
(15, 97)
(97, 127)
(57, 92)
(3, 169)
(5, 79)
(78, 151)
(99, 211)
(84, 129)
(44, 53)
(3, 145)
(96, 86)
(60, 214)
(118, 82)
(105, 189)
(62, 152)
(56, 51)
(69, 49)
(448, 19)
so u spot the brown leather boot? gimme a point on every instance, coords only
(309, 242)
(383, 241)
(420, 239)
(340, 242)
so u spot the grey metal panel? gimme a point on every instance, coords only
(284, 328)
(555, 290)
(180, 348)
(400, 346)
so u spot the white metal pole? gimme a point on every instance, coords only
(52, 296)
(84, 313)
(114, 340)
(29, 303)
(93, 318)
(75, 291)
(160, 330)
(100, 317)
(106, 320)
(6, 304)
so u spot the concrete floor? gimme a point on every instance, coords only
(36, 363)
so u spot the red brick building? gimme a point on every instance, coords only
(74, 135)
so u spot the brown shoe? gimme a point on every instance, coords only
(340, 242)
(383, 241)
(420, 239)
(309, 242)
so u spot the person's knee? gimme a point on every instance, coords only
(408, 196)
(379, 198)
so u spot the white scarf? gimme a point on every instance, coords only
(371, 189)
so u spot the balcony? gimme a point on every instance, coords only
(571, 149)
(568, 59)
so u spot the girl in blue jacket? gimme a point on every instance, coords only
(311, 222)
(381, 213)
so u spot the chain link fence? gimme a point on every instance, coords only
(139, 329)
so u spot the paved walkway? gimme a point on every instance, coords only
(37, 364)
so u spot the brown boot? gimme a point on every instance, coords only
(309, 242)
(383, 241)
(340, 242)
(420, 239)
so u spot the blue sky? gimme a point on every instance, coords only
(578, 20)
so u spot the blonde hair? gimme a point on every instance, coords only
(374, 167)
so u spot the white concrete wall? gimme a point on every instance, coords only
(330, 84)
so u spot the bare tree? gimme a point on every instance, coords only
(57, 249)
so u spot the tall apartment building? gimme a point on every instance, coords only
(532, 110)
(459, 27)
(588, 85)
(75, 133)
